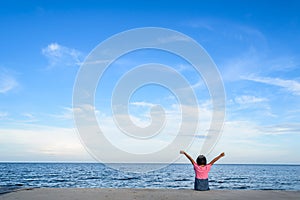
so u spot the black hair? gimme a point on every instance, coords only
(201, 160)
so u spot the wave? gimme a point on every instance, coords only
(183, 179)
(126, 178)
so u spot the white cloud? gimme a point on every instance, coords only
(28, 115)
(228, 29)
(7, 81)
(83, 109)
(184, 67)
(41, 143)
(200, 23)
(244, 63)
(66, 114)
(60, 56)
(249, 142)
(28, 118)
(284, 63)
(3, 115)
(199, 84)
(143, 104)
(171, 128)
(290, 85)
(280, 129)
(246, 99)
(173, 38)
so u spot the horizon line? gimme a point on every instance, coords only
(151, 163)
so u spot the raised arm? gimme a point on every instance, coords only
(188, 156)
(216, 158)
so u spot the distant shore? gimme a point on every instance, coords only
(146, 194)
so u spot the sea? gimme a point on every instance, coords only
(175, 176)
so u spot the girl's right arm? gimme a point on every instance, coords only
(188, 156)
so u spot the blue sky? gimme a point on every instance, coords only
(255, 45)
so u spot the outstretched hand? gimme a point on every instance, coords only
(187, 155)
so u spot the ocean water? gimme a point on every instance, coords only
(176, 176)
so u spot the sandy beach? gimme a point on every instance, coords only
(146, 194)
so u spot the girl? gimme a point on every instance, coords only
(201, 170)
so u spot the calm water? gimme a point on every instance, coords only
(179, 176)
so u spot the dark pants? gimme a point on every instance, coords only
(201, 184)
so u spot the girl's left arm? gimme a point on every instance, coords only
(217, 158)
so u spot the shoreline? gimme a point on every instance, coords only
(128, 194)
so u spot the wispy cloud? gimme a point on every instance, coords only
(247, 99)
(19, 119)
(289, 85)
(7, 81)
(142, 103)
(3, 115)
(60, 56)
(203, 23)
(29, 118)
(243, 63)
(279, 129)
(226, 28)
(66, 114)
(173, 38)
(184, 67)
(285, 63)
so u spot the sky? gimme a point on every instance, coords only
(254, 44)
